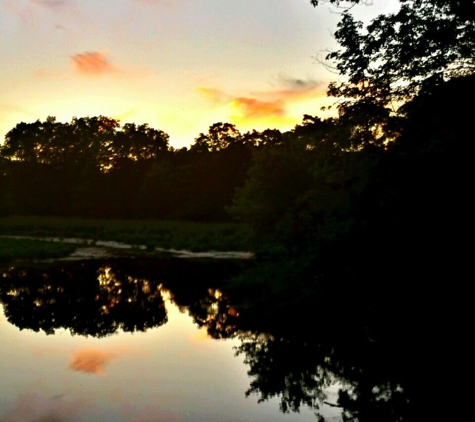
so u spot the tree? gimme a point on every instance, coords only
(219, 136)
(138, 143)
(389, 60)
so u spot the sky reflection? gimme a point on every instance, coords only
(167, 374)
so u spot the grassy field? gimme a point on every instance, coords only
(17, 249)
(164, 234)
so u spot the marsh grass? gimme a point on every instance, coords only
(192, 236)
(18, 249)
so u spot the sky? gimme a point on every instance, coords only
(178, 65)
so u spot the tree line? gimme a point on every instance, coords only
(94, 167)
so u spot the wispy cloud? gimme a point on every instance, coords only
(93, 63)
(299, 84)
(55, 5)
(251, 108)
(272, 106)
(28, 12)
(167, 3)
(97, 64)
(19, 10)
(91, 361)
(214, 95)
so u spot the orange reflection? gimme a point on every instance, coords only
(91, 361)
(201, 335)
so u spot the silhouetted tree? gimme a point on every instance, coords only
(219, 136)
(388, 60)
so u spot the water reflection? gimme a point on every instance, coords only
(294, 351)
(91, 360)
(174, 372)
(87, 299)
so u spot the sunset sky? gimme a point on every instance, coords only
(178, 65)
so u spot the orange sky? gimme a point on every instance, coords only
(178, 65)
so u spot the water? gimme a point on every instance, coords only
(158, 363)
(191, 340)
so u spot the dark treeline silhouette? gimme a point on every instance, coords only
(92, 167)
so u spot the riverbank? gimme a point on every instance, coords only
(14, 249)
(150, 234)
(25, 247)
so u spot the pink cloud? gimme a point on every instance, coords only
(93, 63)
(54, 5)
(272, 108)
(254, 108)
(96, 64)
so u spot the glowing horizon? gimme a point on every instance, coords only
(179, 66)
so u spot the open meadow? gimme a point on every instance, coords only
(190, 236)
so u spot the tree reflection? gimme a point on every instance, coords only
(99, 298)
(300, 340)
(90, 298)
(298, 345)
(297, 339)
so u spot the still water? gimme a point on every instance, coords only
(111, 340)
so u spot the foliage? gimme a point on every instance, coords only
(96, 141)
(219, 136)
(16, 249)
(94, 168)
(164, 234)
(387, 61)
(303, 192)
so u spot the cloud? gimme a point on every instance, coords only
(250, 108)
(22, 11)
(276, 107)
(91, 361)
(97, 64)
(28, 12)
(93, 63)
(54, 5)
(214, 95)
(300, 84)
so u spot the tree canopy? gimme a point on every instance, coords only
(388, 60)
(97, 141)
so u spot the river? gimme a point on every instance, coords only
(173, 339)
